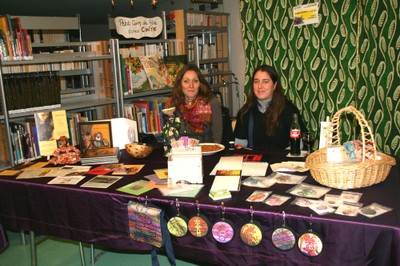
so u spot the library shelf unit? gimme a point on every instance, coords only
(85, 82)
(205, 38)
(147, 97)
(47, 29)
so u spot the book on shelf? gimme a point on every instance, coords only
(156, 72)
(31, 91)
(134, 76)
(4, 151)
(174, 63)
(15, 43)
(147, 113)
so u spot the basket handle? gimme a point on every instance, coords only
(333, 134)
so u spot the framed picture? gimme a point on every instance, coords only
(95, 135)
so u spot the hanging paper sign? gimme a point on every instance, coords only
(138, 27)
(306, 14)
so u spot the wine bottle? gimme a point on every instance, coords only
(295, 136)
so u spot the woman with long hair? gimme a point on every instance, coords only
(196, 106)
(264, 120)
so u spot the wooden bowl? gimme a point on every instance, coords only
(138, 150)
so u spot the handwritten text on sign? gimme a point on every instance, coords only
(138, 27)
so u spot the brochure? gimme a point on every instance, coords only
(136, 188)
(101, 181)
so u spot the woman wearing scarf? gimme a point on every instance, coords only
(196, 106)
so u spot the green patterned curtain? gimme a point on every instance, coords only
(351, 57)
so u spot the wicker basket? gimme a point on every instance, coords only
(364, 173)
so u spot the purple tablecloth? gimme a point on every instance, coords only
(100, 217)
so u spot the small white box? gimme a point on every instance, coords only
(123, 131)
(185, 165)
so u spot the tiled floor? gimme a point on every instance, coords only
(58, 252)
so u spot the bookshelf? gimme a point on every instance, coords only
(46, 29)
(205, 38)
(83, 77)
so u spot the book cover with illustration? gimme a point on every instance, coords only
(136, 75)
(156, 72)
(174, 63)
(50, 126)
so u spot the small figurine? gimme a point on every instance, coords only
(65, 154)
(171, 129)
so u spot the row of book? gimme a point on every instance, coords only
(31, 139)
(15, 42)
(194, 19)
(32, 91)
(147, 113)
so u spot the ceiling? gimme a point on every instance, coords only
(90, 11)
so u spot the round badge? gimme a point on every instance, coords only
(251, 234)
(310, 244)
(199, 226)
(177, 226)
(222, 231)
(283, 238)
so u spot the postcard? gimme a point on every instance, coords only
(333, 200)
(112, 166)
(136, 188)
(156, 180)
(373, 210)
(231, 183)
(258, 196)
(228, 172)
(254, 168)
(228, 163)
(250, 157)
(191, 191)
(161, 173)
(99, 170)
(289, 166)
(176, 189)
(36, 165)
(259, 181)
(128, 169)
(101, 181)
(348, 209)
(77, 170)
(303, 202)
(288, 179)
(66, 180)
(34, 173)
(9, 172)
(308, 191)
(276, 200)
(322, 208)
(351, 197)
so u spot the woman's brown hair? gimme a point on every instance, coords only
(276, 106)
(204, 91)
